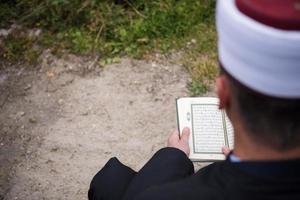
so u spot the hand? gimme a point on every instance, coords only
(181, 143)
(226, 151)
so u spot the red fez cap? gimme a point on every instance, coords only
(281, 14)
(259, 44)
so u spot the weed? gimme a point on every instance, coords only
(197, 88)
(19, 48)
(134, 28)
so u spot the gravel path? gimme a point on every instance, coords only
(61, 123)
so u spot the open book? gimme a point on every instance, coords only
(210, 127)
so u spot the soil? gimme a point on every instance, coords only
(62, 121)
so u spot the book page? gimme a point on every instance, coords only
(229, 129)
(208, 130)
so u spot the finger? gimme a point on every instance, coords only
(226, 151)
(174, 136)
(185, 134)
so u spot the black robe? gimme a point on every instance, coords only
(169, 175)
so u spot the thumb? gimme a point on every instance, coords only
(226, 151)
(185, 134)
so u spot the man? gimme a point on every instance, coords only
(259, 87)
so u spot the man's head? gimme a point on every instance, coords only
(270, 121)
(259, 84)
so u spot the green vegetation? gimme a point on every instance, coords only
(130, 27)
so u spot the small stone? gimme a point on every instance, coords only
(32, 120)
(53, 171)
(194, 41)
(154, 65)
(4, 32)
(28, 87)
(85, 113)
(60, 101)
(54, 149)
(20, 114)
(150, 89)
(37, 32)
(157, 99)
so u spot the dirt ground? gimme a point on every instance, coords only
(62, 121)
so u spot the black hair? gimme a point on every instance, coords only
(272, 121)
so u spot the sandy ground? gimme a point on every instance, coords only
(61, 123)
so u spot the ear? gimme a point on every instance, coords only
(223, 91)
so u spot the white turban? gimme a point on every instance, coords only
(261, 57)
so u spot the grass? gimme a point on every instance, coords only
(134, 28)
(200, 59)
(18, 48)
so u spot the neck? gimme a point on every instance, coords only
(248, 149)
